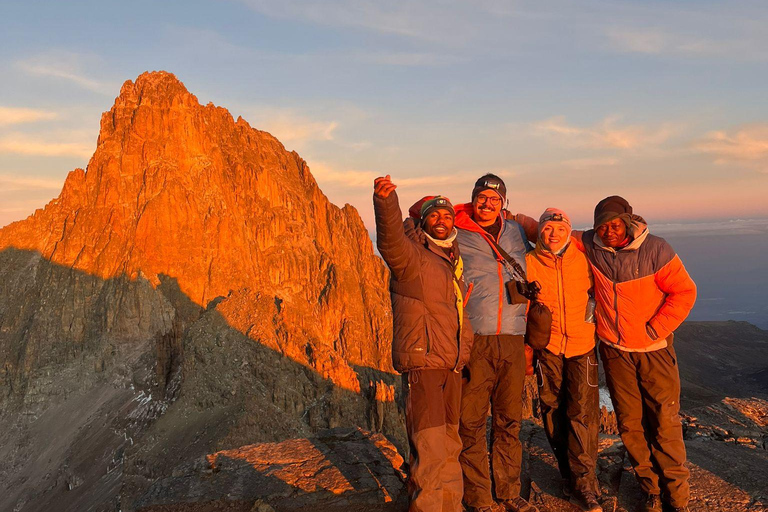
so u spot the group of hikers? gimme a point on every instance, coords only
(468, 291)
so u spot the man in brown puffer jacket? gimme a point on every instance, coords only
(431, 342)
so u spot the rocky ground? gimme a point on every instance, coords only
(351, 470)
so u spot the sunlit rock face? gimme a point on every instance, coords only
(196, 288)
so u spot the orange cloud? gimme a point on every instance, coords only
(23, 145)
(606, 134)
(748, 146)
(10, 115)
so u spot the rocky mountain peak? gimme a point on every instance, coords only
(180, 191)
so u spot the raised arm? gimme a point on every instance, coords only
(397, 250)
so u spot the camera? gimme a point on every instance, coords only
(521, 292)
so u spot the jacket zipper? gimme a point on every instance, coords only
(460, 303)
(616, 300)
(561, 299)
(501, 298)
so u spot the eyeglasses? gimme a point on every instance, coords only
(493, 201)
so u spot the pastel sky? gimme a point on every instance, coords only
(663, 102)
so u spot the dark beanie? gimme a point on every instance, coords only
(611, 208)
(490, 182)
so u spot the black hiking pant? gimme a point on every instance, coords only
(645, 391)
(569, 402)
(496, 372)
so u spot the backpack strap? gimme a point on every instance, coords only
(513, 267)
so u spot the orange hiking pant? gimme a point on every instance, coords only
(432, 405)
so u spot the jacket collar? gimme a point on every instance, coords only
(545, 255)
(432, 246)
(464, 220)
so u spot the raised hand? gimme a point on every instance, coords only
(382, 187)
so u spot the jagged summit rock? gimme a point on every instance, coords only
(192, 290)
(179, 189)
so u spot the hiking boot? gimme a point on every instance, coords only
(518, 505)
(586, 501)
(652, 503)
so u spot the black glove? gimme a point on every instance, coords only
(413, 231)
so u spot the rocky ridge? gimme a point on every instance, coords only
(192, 290)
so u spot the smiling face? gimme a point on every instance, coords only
(612, 233)
(486, 207)
(439, 224)
(554, 235)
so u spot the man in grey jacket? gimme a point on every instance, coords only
(496, 369)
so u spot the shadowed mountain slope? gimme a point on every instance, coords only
(191, 291)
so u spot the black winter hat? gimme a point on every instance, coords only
(610, 208)
(490, 182)
(435, 203)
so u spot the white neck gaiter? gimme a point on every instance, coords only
(448, 242)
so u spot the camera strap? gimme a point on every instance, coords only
(511, 264)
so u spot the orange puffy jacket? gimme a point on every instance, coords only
(566, 281)
(643, 291)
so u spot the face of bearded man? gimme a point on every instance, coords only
(486, 207)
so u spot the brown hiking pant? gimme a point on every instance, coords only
(432, 405)
(645, 391)
(496, 372)
(569, 401)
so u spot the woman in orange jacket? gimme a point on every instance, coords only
(567, 368)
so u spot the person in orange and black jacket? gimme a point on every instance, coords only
(566, 369)
(643, 294)
(431, 342)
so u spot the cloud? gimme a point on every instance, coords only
(325, 173)
(588, 163)
(747, 145)
(11, 115)
(23, 145)
(357, 179)
(680, 29)
(429, 20)
(10, 183)
(660, 42)
(66, 66)
(606, 134)
(685, 30)
(291, 127)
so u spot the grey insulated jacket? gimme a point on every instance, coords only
(488, 306)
